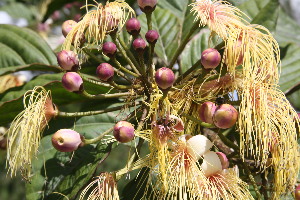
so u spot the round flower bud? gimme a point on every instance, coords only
(124, 131)
(72, 82)
(67, 27)
(224, 160)
(67, 60)
(105, 71)
(207, 111)
(66, 140)
(210, 58)
(139, 44)
(109, 49)
(211, 164)
(297, 192)
(133, 26)
(152, 36)
(225, 116)
(164, 77)
(198, 145)
(147, 5)
(3, 143)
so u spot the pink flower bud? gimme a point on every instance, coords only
(133, 26)
(72, 82)
(210, 58)
(105, 71)
(297, 192)
(224, 160)
(139, 44)
(147, 5)
(66, 140)
(124, 131)
(207, 111)
(152, 36)
(109, 49)
(67, 60)
(225, 116)
(67, 27)
(164, 77)
(3, 143)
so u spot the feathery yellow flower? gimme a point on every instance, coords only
(25, 132)
(97, 23)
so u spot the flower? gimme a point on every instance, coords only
(26, 130)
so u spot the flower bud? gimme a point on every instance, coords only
(139, 44)
(124, 131)
(211, 164)
(66, 140)
(210, 58)
(109, 49)
(224, 160)
(67, 60)
(297, 192)
(133, 26)
(3, 143)
(152, 36)
(207, 111)
(147, 5)
(67, 27)
(72, 82)
(225, 116)
(198, 145)
(105, 71)
(164, 77)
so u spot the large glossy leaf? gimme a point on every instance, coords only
(22, 46)
(168, 27)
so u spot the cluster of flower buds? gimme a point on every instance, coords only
(222, 116)
(66, 140)
(210, 58)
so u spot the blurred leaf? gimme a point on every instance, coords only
(25, 47)
(13, 9)
(30, 67)
(192, 53)
(168, 28)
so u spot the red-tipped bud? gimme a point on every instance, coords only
(72, 82)
(66, 140)
(207, 111)
(164, 77)
(147, 5)
(139, 44)
(225, 116)
(210, 58)
(124, 131)
(133, 26)
(224, 160)
(67, 60)
(105, 71)
(67, 27)
(109, 49)
(152, 36)
(297, 192)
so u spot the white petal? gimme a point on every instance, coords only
(198, 145)
(211, 164)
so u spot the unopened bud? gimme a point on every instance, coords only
(198, 145)
(66, 140)
(152, 36)
(297, 192)
(210, 58)
(109, 49)
(164, 77)
(124, 131)
(67, 27)
(139, 44)
(68, 60)
(224, 160)
(3, 143)
(225, 116)
(207, 111)
(133, 26)
(105, 71)
(211, 164)
(147, 5)
(72, 82)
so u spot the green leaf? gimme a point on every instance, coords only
(192, 53)
(168, 27)
(30, 67)
(14, 8)
(25, 45)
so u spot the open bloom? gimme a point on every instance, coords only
(25, 132)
